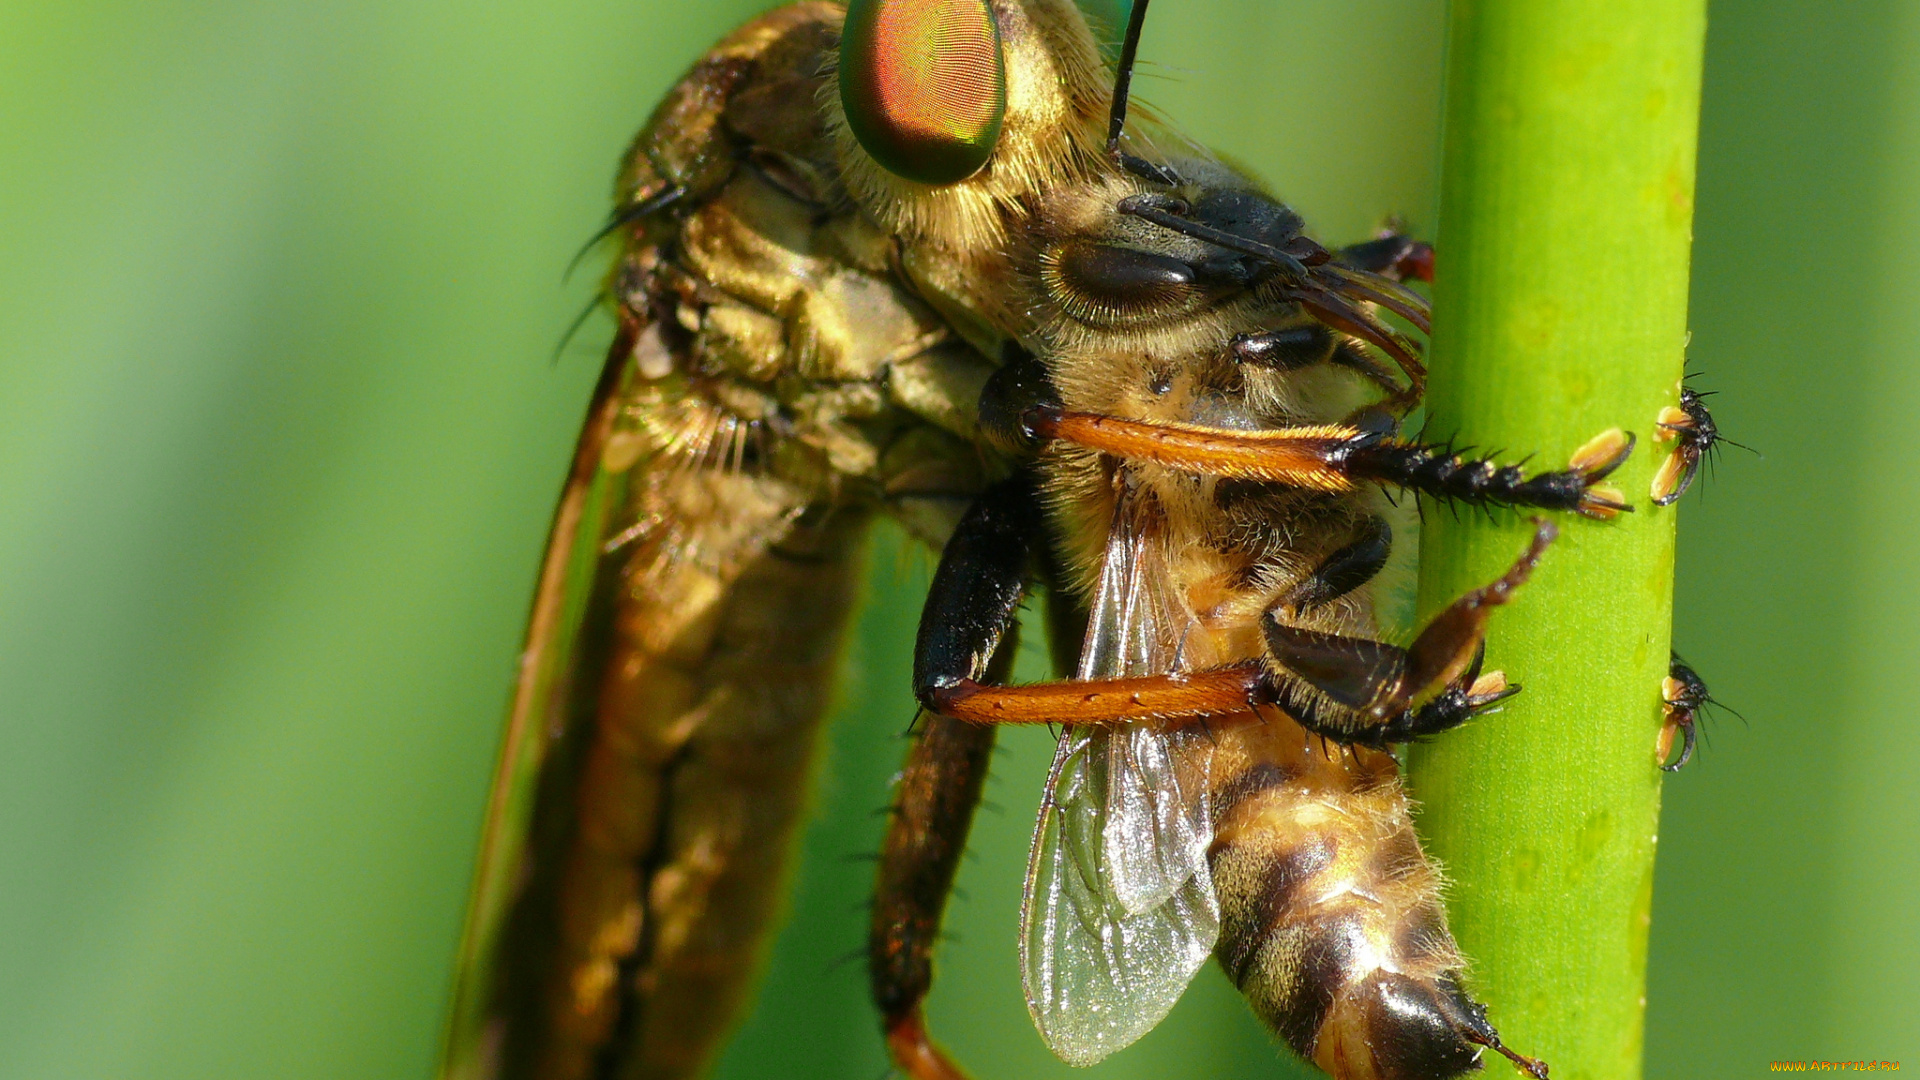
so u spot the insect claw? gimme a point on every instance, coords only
(1687, 730)
(1533, 1067)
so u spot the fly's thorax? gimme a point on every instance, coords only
(752, 94)
(773, 334)
(1331, 916)
(772, 328)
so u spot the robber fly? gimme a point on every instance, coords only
(909, 257)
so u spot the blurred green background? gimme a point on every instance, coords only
(278, 438)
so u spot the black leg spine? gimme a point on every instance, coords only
(1438, 471)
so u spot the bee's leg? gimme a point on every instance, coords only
(933, 806)
(1341, 457)
(1343, 571)
(1371, 685)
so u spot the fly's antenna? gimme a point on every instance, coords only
(1123, 75)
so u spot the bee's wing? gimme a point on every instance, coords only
(1120, 910)
(567, 574)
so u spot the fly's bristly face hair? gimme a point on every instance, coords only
(833, 231)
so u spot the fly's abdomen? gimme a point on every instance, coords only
(1331, 920)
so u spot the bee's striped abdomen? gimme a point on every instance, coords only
(1331, 921)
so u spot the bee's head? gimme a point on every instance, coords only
(1108, 262)
(1189, 258)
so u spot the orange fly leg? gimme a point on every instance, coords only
(1341, 457)
(913, 1051)
(1220, 692)
(1305, 457)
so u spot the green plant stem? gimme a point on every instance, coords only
(1561, 311)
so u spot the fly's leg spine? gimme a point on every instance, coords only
(1439, 471)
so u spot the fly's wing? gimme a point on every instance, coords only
(1120, 910)
(567, 576)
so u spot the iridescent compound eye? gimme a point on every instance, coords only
(924, 85)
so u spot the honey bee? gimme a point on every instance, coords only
(911, 258)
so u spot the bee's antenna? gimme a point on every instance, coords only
(1123, 75)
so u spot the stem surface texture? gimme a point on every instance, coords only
(1561, 311)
